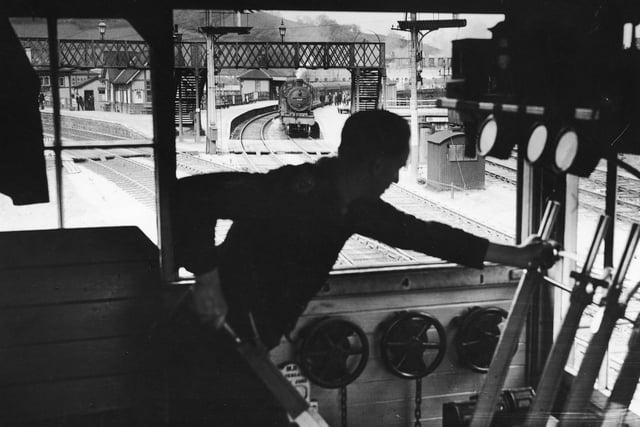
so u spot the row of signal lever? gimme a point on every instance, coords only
(522, 406)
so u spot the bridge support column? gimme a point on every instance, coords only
(212, 129)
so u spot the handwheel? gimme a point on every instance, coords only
(333, 352)
(478, 337)
(413, 344)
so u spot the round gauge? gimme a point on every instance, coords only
(537, 142)
(487, 136)
(566, 150)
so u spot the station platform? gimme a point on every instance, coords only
(143, 123)
(328, 119)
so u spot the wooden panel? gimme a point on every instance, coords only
(78, 359)
(409, 299)
(53, 285)
(369, 321)
(68, 398)
(414, 278)
(378, 397)
(19, 249)
(67, 322)
(368, 406)
(76, 310)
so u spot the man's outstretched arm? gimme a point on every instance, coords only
(533, 251)
(384, 222)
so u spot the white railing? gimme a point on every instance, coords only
(404, 103)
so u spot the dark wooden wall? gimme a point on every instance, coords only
(76, 306)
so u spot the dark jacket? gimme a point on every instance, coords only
(288, 229)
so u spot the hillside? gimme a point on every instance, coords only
(264, 27)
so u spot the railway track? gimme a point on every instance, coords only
(259, 154)
(125, 167)
(592, 191)
(134, 178)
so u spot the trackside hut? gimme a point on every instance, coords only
(93, 93)
(260, 85)
(447, 164)
(255, 85)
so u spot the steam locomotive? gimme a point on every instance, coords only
(296, 97)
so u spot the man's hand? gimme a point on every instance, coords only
(536, 252)
(208, 299)
(532, 252)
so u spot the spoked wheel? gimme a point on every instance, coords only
(478, 337)
(413, 345)
(334, 353)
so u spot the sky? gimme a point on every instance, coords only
(381, 23)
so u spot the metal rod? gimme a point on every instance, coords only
(627, 255)
(52, 32)
(103, 146)
(626, 383)
(602, 230)
(180, 130)
(582, 387)
(549, 385)
(492, 387)
(633, 171)
(611, 196)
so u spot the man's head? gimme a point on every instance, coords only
(375, 145)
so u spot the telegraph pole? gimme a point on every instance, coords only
(416, 27)
(212, 33)
(195, 54)
(414, 158)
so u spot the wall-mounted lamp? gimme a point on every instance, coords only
(498, 134)
(282, 29)
(102, 28)
(537, 143)
(579, 149)
(487, 135)
(566, 149)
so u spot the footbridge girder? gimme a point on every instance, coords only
(88, 54)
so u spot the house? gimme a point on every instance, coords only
(70, 84)
(128, 91)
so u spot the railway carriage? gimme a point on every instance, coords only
(295, 106)
(394, 338)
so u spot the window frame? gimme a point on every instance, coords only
(164, 158)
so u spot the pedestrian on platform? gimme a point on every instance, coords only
(41, 99)
(80, 102)
(289, 226)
